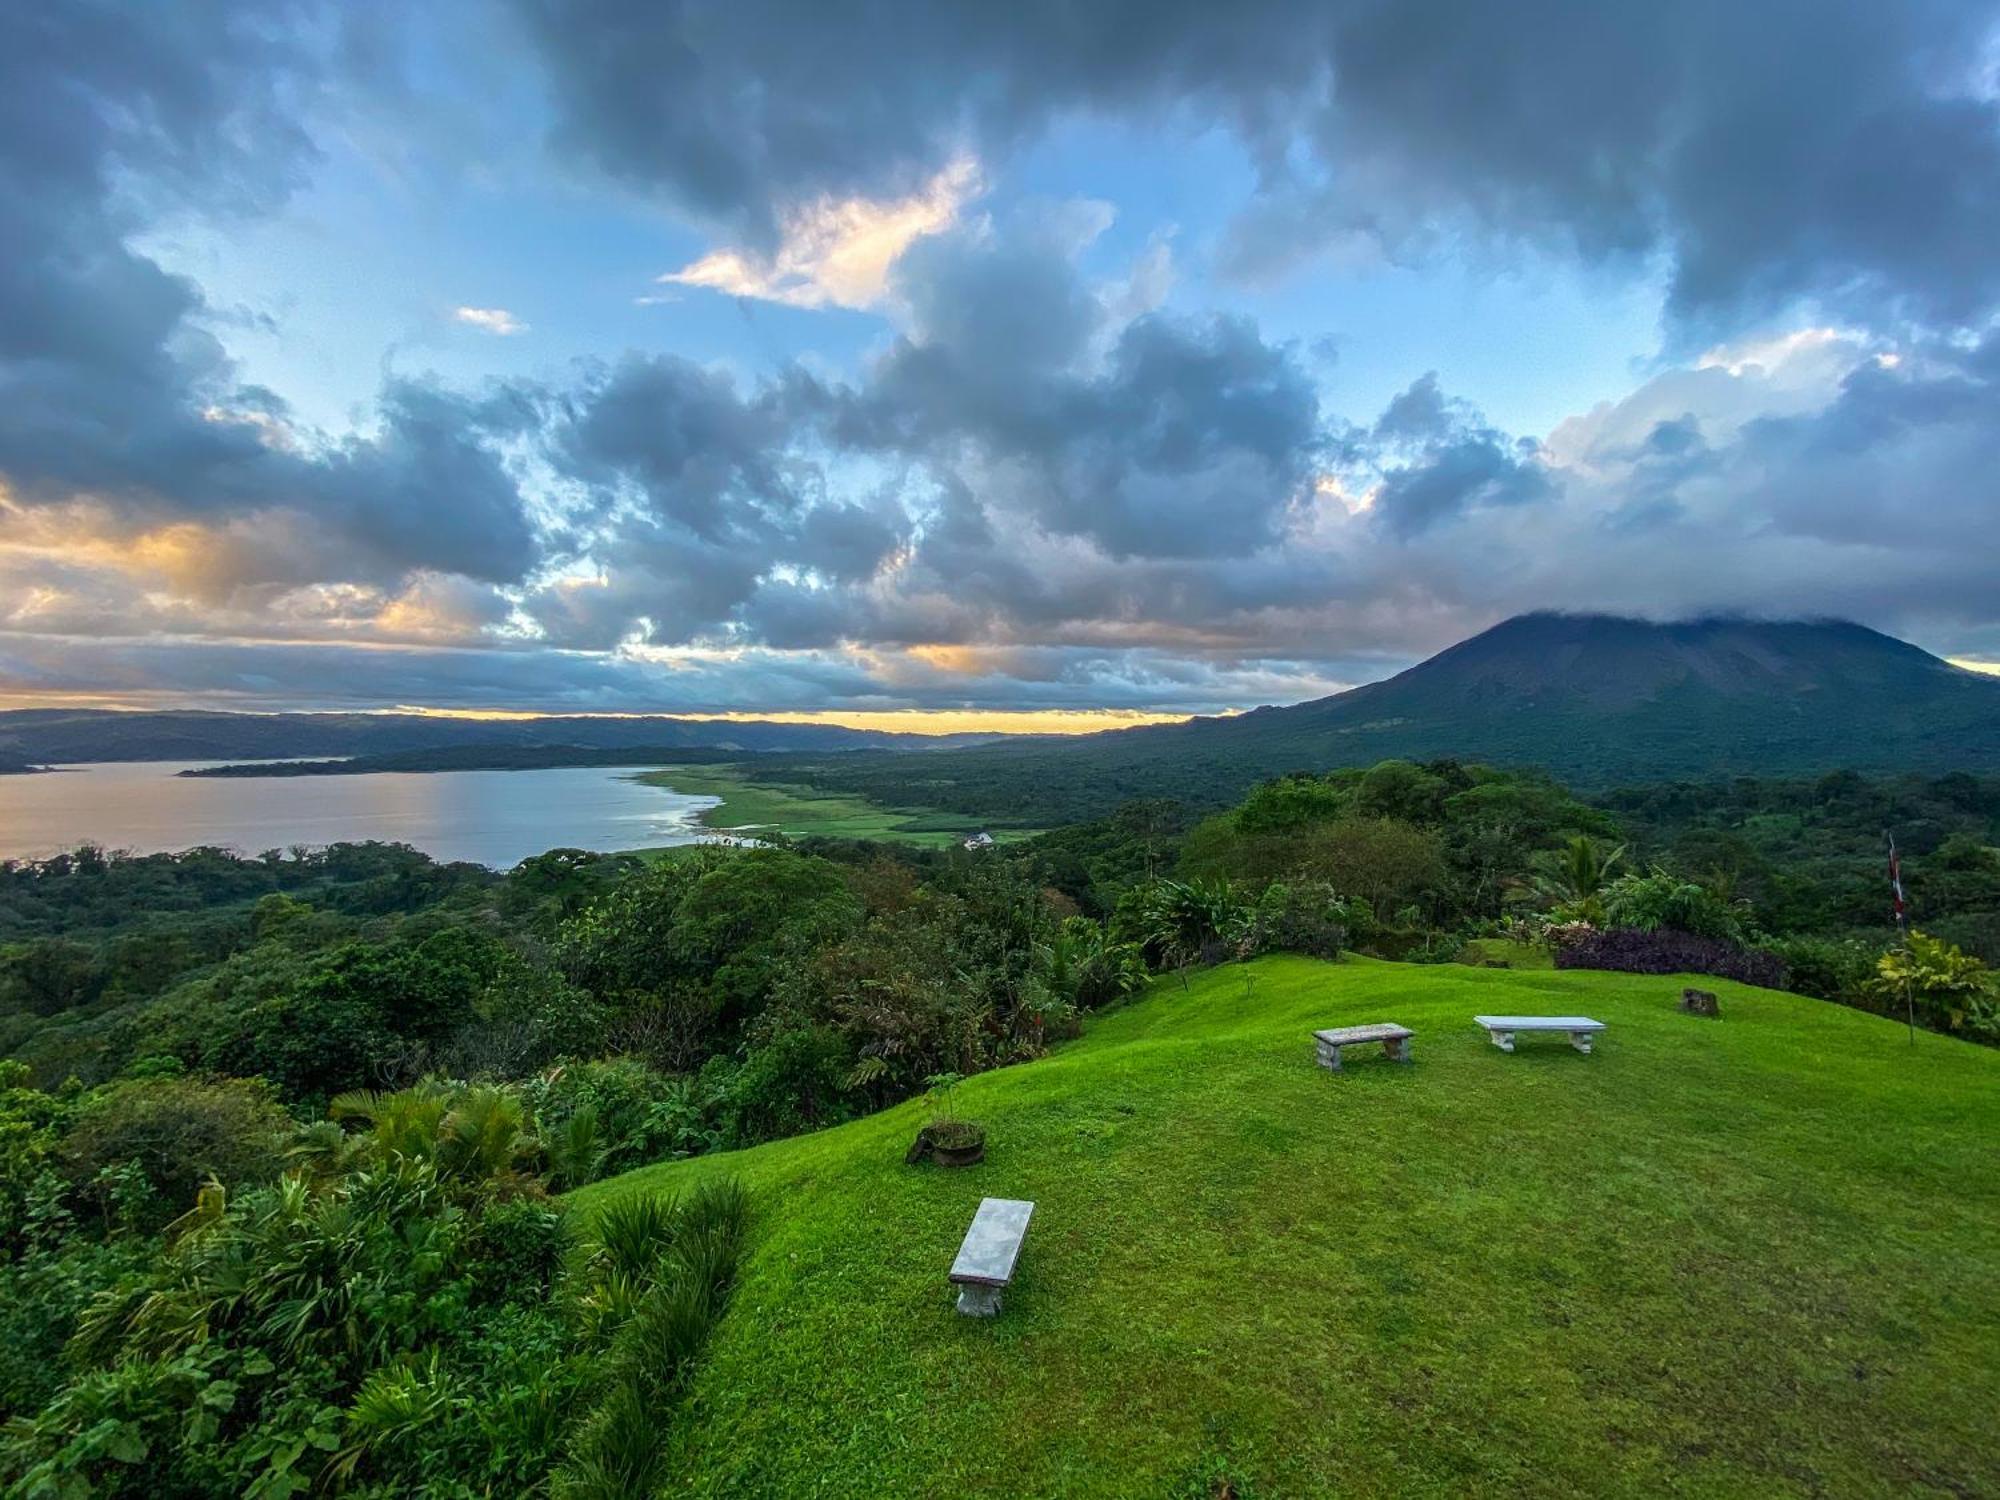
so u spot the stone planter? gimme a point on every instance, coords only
(954, 1143)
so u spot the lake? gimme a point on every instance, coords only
(495, 818)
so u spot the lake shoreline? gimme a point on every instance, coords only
(489, 818)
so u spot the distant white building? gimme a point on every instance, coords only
(980, 840)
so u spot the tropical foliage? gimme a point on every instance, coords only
(1956, 991)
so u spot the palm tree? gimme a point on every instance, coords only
(472, 1135)
(1576, 874)
(485, 1135)
(403, 1123)
(1181, 918)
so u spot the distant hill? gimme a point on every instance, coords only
(1597, 700)
(68, 736)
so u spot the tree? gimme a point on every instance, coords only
(50, 975)
(180, 1132)
(1575, 875)
(1384, 862)
(1179, 921)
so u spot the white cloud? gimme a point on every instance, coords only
(837, 251)
(492, 319)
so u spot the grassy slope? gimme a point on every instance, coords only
(801, 811)
(1759, 1256)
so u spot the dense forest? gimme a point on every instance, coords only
(282, 1138)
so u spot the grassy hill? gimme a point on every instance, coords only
(1759, 1256)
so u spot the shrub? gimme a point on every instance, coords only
(179, 1133)
(684, 1254)
(1178, 922)
(1302, 917)
(1976, 932)
(1952, 990)
(794, 1082)
(1827, 968)
(1658, 900)
(515, 1250)
(1560, 935)
(634, 1115)
(1630, 950)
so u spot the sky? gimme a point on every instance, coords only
(1077, 361)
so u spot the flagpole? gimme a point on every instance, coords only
(1901, 908)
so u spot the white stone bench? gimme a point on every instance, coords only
(1501, 1029)
(985, 1261)
(1395, 1041)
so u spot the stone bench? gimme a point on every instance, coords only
(1501, 1029)
(1395, 1041)
(985, 1261)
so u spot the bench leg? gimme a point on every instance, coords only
(1581, 1041)
(1504, 1040)
(1398, 1049)
(1329, 1056)
(979, 1301)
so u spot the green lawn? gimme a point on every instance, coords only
(1754, 1257)
(752, 807)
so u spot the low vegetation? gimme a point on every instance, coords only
(758, 807)
(393, 1309)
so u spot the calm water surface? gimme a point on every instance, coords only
(495, 818)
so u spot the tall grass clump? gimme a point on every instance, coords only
(668, 1266)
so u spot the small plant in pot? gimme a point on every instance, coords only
(948, 1140)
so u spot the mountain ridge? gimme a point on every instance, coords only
(54, 736)
(1595, 699)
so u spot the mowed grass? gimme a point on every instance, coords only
(750, 807)
(1757, 1256)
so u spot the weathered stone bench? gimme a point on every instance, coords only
(985, 1261)
(1395, 1041)
(1501, 1029)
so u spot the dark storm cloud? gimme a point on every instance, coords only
(699, 488)
(109, 385)
(1187, 438)
(734, 110)
(1844, 149)
(682, 438)
(1470, 473)
(1015, 418)
(1906, 458)
(336, 676)
(1439, 461)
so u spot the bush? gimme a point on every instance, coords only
(515, 1250)
(179, 1133)
(1630, 950)
(1305, 917)
(1951, 990)
(1976, 932)
(635, 1115)
(794, 1082)
(1827, 968)
(680, 1259)
(1658, 900)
